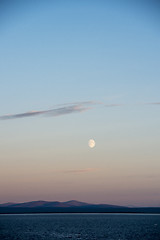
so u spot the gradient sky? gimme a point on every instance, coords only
(71, 71)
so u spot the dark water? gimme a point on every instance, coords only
(80, 226)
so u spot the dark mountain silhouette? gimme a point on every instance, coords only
(7, 204)
(72, 206)
(56, 204)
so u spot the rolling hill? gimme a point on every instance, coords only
(56, 204)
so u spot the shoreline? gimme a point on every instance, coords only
(7, 210)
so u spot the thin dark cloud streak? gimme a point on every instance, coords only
(64, 109)
(121, 105)
(74, 108)
(21, 115)
(76, 103)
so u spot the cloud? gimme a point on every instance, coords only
(63, 109)
(21, 115)
(119, 105)
(153, 103)
(143, 176)
(78, 171)
(114, 105)
(73, 108)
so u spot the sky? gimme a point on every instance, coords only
(71, 71)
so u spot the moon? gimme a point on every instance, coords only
(91, 143)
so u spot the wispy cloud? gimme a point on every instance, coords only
(78, 171)
(120, 104)
(21, 115)
(113, 105)
(66, 108)
(143, 176)
(153, 103)
(54, 112)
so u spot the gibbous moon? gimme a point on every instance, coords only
(91, 143)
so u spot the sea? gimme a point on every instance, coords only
(80, 226)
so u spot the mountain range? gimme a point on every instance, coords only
(72, 206)
(56, 204)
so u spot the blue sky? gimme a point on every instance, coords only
(101, 60)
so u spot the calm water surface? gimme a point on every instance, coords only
(80, 226)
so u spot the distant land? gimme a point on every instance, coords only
(72, 206)
(56, 204)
